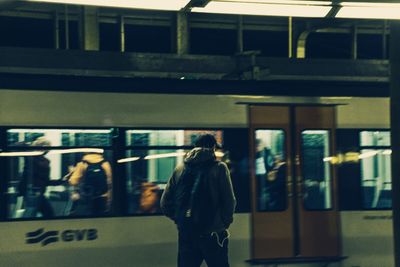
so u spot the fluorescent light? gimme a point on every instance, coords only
(128, 159)
(315, 9)
(369, 10)
(387, 152)
(328, 159)
(22, 154)
(336, 97)
(165, 155)
(367, 154)
(247, 96)
(351, 157)
(76, 150)
(171, 5)
(57, 131)
(314, 132)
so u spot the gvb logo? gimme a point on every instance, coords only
(47, 237)
(40, 236)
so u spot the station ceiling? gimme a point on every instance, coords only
(245, 73)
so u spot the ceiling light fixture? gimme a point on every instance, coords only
(169, 5)
(294, 8)
(369, 10)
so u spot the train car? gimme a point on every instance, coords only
(311, 176)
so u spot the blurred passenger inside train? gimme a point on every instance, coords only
(92, 178)
(264, 163)
(34, 182)
(276, 186)
(149, 198)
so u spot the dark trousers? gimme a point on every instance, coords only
(45, 207)
(93, 206)
(194, 248)
(35, 204)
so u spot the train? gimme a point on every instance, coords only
(334, 199)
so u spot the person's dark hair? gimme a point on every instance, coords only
(206, 141)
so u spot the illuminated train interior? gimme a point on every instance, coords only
(311, 175)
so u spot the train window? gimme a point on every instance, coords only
(376, 174)
(39, 160)
(49, 173)
(374, 138)
(270, 170)
(166, 137)
(236, 156)
(151, 157)
(154, 138)
(315, 170)
(147, 174)
(60, 137)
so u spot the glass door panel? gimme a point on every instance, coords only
(316, 170)
(270, 163)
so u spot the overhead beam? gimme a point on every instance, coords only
(199, 67)
(198, 3)
(90, 29)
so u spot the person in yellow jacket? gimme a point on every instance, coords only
(93, 178)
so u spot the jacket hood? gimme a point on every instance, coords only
(199, 155)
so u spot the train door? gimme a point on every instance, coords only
(294, 211)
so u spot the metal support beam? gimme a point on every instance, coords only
(90, 29)
(56, 30)
(301, 44)
(198, 3)
(300, 32)
(182, 33)
(66, 26)
(395, 132)
(121, 34)
(384, 39)
(354, 42)
(290, 37)
(3, 182)
(239, 43)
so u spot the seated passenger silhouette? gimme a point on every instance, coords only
(263, 165)
(276, 186)
(34, 182)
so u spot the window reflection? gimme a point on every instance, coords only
(315, 170)
(153, 156)
(147, 177)
(40, 176)
(270, 170)
(376, 178)
(60, 137)
(375, 138)
(38, 186)
(167, 137)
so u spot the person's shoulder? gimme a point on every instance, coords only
(220, 165)
(179, 169)
(179, 166)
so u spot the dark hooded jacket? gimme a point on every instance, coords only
(220, 186)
